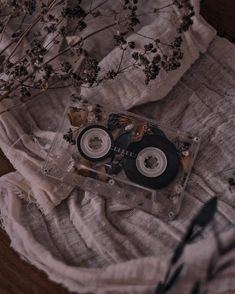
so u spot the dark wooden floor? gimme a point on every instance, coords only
(221, 15)
(17, 276)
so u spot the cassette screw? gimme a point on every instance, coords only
(171, 215)
(185, 153)
(111, 182)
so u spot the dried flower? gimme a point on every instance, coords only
(40, 66)
(69, 137)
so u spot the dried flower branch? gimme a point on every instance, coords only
(28, 65)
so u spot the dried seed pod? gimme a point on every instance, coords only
(77, 117)
(103, 176)
(83, 167)
(185, 163)
(124, 120)
(139, 133)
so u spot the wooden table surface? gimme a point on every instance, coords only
(17, 276)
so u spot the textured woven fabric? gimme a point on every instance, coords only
(26, 132)
(92, 245)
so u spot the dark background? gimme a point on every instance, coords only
(17, 276)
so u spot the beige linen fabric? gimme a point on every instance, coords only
(92, 245)
(95, 246)
(20, 131)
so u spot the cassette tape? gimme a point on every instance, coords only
(123, 156)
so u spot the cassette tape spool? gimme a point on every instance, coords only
(124, 156)
(95, 143)
(156, 162)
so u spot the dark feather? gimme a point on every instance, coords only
(178, 252)
(206, 214)
(160, 289)
(224, 266)
(174, 277)
(202, 219)
(211, 267)
(196, 288)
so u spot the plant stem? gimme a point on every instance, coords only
(25, 33)
(31, 97)
(123, 51)
(57, 55)
(79, 42)
(156, 10)
(98, 5)
(7, 46)
(5, 25)
(146, 37)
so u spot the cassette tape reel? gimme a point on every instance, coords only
(95, 143)
(155, 164)
(124, 157)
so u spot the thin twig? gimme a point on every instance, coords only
(147, 37)
(57, 55)
(5, 25)
(25, 33)
(123, 51)
(79, 42)
(156, 10)
(99, 5)
(7, 46)
(91, 5)
(31, 97)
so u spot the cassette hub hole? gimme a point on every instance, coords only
(151, 162)
(95, 143)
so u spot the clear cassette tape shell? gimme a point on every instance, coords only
(123, 156)
(152, 162)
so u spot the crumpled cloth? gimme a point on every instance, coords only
(27, 131)
(92, 245)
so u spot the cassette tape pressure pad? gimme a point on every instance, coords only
(123, 156)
